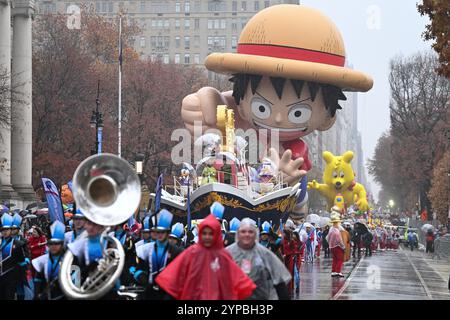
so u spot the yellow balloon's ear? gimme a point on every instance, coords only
(328, 156)
(347, 156)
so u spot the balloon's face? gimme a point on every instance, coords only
(293, 115)
(66, 194)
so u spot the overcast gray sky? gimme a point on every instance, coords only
(374, 32)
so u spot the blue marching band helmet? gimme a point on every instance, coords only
(164, 220)
(217, 210)
(146, 224)
(17, 221)
(266, 228)
(177, 230)
(57, 231)
(7, 220)
(234, 225)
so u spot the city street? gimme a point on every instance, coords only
(387, 275)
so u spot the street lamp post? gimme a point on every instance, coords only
(97, 123)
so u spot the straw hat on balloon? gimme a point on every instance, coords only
(293, 42)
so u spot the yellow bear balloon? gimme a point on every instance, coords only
(339, 179)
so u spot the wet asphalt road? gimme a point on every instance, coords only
(386, 275)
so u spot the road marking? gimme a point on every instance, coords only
(442, 277)
(347, 281)
(420, 278)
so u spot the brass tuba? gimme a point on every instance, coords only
(108, 191)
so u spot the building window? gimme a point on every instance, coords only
(234, 25)
(256, 5)
(223, 24)
(177, 7)
(187, 24)
(166, 42)
(187, 7)
(234, 6)
(166, 58)
(153, 23)
(216, 24)
(186, 58)
(177, 23)
(153, 41)
(160, 24)
(177, 41)
(266, 4)
(142, 8)
(210, 24)
(166, 24)
(243, 23)
(197, 23)
(197, 58)
(177, 58)
(187, 42)
(197, 6)
(160, 41)
(142, 42)
(234, 41)
(244, 5)
(196, 41)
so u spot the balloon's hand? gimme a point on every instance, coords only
(289, 168)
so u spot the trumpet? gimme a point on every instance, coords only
(108, 191)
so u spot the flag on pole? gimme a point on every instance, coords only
(158, 193)
(189, 208)
(55, 208)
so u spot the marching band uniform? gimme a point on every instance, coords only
(71, 236)
(176, 235)
(128, 240)
(152, 259)
(15, 233)
(47, 267)
(231, 235)
(148, 226)
(13, 261)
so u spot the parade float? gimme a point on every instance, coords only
(224, 175)
(340, 188)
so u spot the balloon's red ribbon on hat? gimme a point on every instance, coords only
(284, 52)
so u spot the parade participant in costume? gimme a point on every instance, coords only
(337, 246)
(309, 244)
(293, 250)
(78, 227)
(288, 76)
(127, 239)
(148, 232)
(206, 271)
(260, 264)
(15, 233)
(87, 252)
(13, 260)
(209, 174)
(46, 283)
(176, 235)
(326, 247)
(318, 242)
(231, 235)
(154, 257)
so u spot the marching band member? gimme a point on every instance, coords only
(148, 232)
(231, 234)
(15, 233)
(13, 260)
(176, 235)
(46, 283)
(128, 240)
(87, 251)
(79, 221)
(153, 258)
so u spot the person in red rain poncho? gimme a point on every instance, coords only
(37, 242)
(206, 271)
(293, 250)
